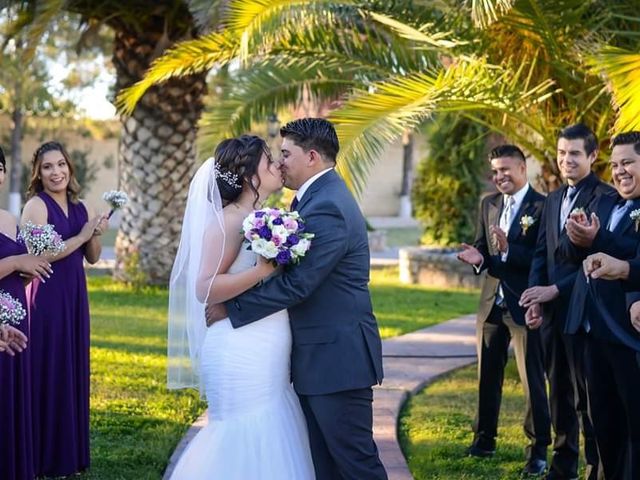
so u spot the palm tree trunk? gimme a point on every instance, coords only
(157, 159)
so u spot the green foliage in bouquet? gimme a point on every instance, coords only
(450, 179)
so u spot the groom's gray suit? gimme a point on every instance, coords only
(337, 353)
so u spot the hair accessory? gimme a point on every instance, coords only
(229, 178)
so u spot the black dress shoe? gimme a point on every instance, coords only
(476, 451)
(534, 468)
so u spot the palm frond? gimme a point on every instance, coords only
(185, 58)
(622, 69)
(486, 12)
(369, 121)
(438, 40)
(270, 86)
(35, 20)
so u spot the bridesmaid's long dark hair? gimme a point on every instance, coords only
(35, 184)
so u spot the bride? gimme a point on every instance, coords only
(256, 428)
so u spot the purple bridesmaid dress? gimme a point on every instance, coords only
(60, 356)
(16, 461)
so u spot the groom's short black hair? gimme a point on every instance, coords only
(313, 134)
(3, 161)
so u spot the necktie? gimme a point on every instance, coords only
(294, 204)
(567, 203)
(507, 213)
(618, 214)
(505, 224)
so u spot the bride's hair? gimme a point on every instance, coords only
(237, 161)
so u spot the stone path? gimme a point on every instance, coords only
(411, 361)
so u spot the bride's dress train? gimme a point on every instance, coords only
(256, 428)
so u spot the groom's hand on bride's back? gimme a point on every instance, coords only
(215, 312)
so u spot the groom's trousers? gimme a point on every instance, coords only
(341, 436)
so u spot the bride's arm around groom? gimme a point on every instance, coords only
(337, 353)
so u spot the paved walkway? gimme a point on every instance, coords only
(411, 361)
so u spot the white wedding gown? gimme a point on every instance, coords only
(256, 428)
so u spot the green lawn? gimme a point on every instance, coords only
(435, 430)
(404, 308)
(135, 422)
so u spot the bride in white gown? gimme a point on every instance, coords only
(256, 429)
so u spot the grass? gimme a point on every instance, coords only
(435, 430)
(404, 308)
(135, 422)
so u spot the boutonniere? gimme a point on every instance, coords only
(526, 221)
(635, 216)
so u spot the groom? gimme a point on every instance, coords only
(337, 354)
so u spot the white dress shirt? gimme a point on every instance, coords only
(305, 186)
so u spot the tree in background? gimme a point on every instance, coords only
(157, 154)
(450, 179)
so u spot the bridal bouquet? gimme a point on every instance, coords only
(11, 310)
(277, 235)
(116, 199)
(41, 239)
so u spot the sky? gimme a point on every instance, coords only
(93, 100)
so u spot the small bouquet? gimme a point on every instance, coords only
(116, 199)
(41, 239)
(526, 221)
(277, 235)
(11, 310)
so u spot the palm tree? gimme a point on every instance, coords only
(517, 66)
(157, 150)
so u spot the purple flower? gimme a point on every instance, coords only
(301, 226)
(265, 233)
(277, 221)
(259, 214)
(283, 257)
(36, 231)
(292, 240)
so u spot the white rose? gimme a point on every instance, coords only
(301, 247)
(265, 248)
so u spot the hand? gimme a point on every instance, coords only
(265, 267)
(634, 315)
(538, 295)
(581, 234)
(12, 340)
(601, 265)
(214, 313)
(499, 239)
(103, 224)
(470, 255)
(579, 216)
(89, 228)
(533, 316)
(31, 267)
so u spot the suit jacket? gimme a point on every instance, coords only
(514, 272)
(550, 264)
(336, 343)
(589, 300)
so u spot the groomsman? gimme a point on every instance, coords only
(551, 282)
(504, 245)
(600, 310)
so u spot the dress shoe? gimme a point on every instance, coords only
(534, 468)
(476, 451)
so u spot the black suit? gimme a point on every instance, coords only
(563, 353)
(498, 325)
(613, 374)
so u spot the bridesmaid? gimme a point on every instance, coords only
(59, 337)
(16, 462)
